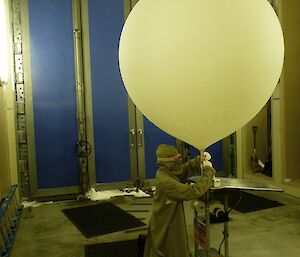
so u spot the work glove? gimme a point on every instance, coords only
(205, 158)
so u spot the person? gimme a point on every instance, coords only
(167, 236)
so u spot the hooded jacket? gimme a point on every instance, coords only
(167, 236)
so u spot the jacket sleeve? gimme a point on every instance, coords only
(176, 190)
(190, 168)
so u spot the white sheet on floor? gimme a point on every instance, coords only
(34, 203)
(107, 194)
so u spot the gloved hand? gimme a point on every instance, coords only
(207, 163)
(205, 157)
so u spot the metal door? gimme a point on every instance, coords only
(110, 101)
(51, 96)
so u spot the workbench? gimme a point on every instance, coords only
(222, 187)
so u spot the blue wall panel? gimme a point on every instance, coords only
(154, 137)
(53, 89)
(216, 151)
(110, 104)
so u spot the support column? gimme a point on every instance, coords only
(83, 147)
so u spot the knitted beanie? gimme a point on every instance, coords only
(166, 151)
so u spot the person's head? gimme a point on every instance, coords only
(168, 156)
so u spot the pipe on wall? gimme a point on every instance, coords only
(82, 145)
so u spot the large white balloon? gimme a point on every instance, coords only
(201, 69)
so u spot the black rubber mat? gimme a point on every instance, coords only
(250, 202)
(129, 248)
(100, 219)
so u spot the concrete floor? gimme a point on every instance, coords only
(273, 232)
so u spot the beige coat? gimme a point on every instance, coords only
(167, 235)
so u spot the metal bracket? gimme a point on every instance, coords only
(77, 33)
(140, 137)
(132, 138)
(80, 87)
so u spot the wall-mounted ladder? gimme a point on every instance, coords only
(20, 99)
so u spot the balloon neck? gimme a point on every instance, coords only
(201, 158)
(202, 152)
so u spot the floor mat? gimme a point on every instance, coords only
(129, 248)
(100, 219)
(250, 202)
